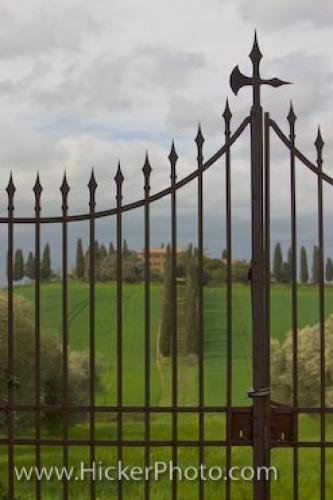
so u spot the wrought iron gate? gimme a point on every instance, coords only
(263, 424)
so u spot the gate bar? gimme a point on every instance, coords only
(292, 119)
(147, 171)
(319, 147)
(227, 119)
(173, 157)
(64, 191)
(38, 420)
(92, 251)
(200, 141)
(10, 340)
(119, 178)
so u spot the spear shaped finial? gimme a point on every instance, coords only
(319, 143)
(173, 157)
(10, 187)
(92, 184)
(227, 115)
(64, 188)
(38, 188)
(119, 178)
(255, 54)
(199, 137)
(291, 115)
(146, 169)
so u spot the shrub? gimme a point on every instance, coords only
(51, 366)
(308, 366)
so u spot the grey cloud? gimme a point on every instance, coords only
(42, 27)
(277, 14)
(115, 83)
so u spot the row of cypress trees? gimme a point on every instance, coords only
(282, 269)
(191, 305)
(27, 268)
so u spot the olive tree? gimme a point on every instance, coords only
(50, 366)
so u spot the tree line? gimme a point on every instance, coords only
(214, 268)
(27, 268)
(105, 263)
(282, 270)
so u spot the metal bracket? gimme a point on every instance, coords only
(281, 426)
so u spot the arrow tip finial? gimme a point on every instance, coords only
(255, 54)
(319, 143)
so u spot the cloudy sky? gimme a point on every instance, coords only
(84, 84)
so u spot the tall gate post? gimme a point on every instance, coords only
(259, 277)
(260, 330)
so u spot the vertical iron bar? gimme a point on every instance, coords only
(92, 205)
(38, 191)
(147, 171)
(173, 157)
(119, 178)
(227, 118)
(64, 191)
(11, 340)
(319, 146)
(200, 141)
(267, 207)
(292, 119)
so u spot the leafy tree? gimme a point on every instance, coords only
(18, 265)
(29, 269)
(46, 271)
(329, 270)
(304, 276)
(166, 322)
(278, 263)
(240, 271)
(315, 265)
(79, 271)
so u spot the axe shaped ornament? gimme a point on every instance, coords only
(239, 80)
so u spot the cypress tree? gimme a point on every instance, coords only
(192, 344)
(46, 263)
(304, 266)
(315, 265)
(126, 251)
(166, 323)
(79, 271)
(329, 270)
(278, 263)
(29, 268)
(102, 252)
(18, 265)
(289, 265)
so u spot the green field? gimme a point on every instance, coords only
(134, 383)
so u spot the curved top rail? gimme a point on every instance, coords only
(308, 163)
(141, 202)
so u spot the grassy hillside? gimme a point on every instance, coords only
(134, 383)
